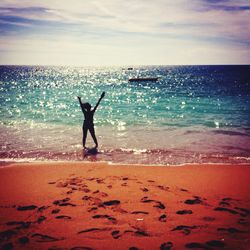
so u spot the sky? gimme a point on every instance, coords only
(124, 32)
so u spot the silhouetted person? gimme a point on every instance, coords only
(88, 123)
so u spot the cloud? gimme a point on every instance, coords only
(124, 26)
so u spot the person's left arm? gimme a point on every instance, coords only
(97, 104)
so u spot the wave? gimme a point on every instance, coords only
(229, 132)
(127, 156)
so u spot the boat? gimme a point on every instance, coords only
(144, 79)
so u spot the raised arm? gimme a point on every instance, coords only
(97, 104)
(80, 101)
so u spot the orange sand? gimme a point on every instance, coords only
(100, 206)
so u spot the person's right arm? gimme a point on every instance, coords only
(80, 101)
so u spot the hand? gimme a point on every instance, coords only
(103, 94)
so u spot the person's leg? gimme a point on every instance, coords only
(92, 132)
(84, 137)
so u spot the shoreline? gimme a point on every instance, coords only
(10, 161)
(110, 206)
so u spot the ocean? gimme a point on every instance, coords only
(192, 114)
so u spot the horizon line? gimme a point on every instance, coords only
(124, 65)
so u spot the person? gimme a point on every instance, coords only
(88, 124)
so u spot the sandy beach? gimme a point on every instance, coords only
(102, 206)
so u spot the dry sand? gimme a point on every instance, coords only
(100, 206)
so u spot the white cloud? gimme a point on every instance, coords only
(143, 32)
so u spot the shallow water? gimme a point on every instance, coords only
(191, 114)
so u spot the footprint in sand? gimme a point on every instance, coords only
(111, 203)
(243, 222)
(57, 248)
(104, 216)
(163, 218)
(206, 246)
(45, 238)
(93, 229)
(55, 211)
(215, 243)
(25, 208)
(86, 198)
(116, 234)
(7, 235)
(19, 224)
(183, 190)
(185, 229)
(196, 200)
(227, 199)
(196, 245)
(23, 240)
(244, 210)
(100, 181)
(86, 190)
(52, 182)
(139, 212)
(81, 248)
(157, 205)
(208, 218)
(7, 246)
(151, 181)
(141, 232)
(184, 212)
(166, 246)
(41, 219)
(94, 201)
(224, 209)
(163, 188)
(231, 230)
(144, 189)
(62, 184)
(66, 217)
(102, 194)
(41, 209)
(89, 230)
(63, 202)
(92, 209)
(75, 181)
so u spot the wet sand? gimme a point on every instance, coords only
(100, 206)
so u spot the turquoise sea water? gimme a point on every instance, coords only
(191, 114)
